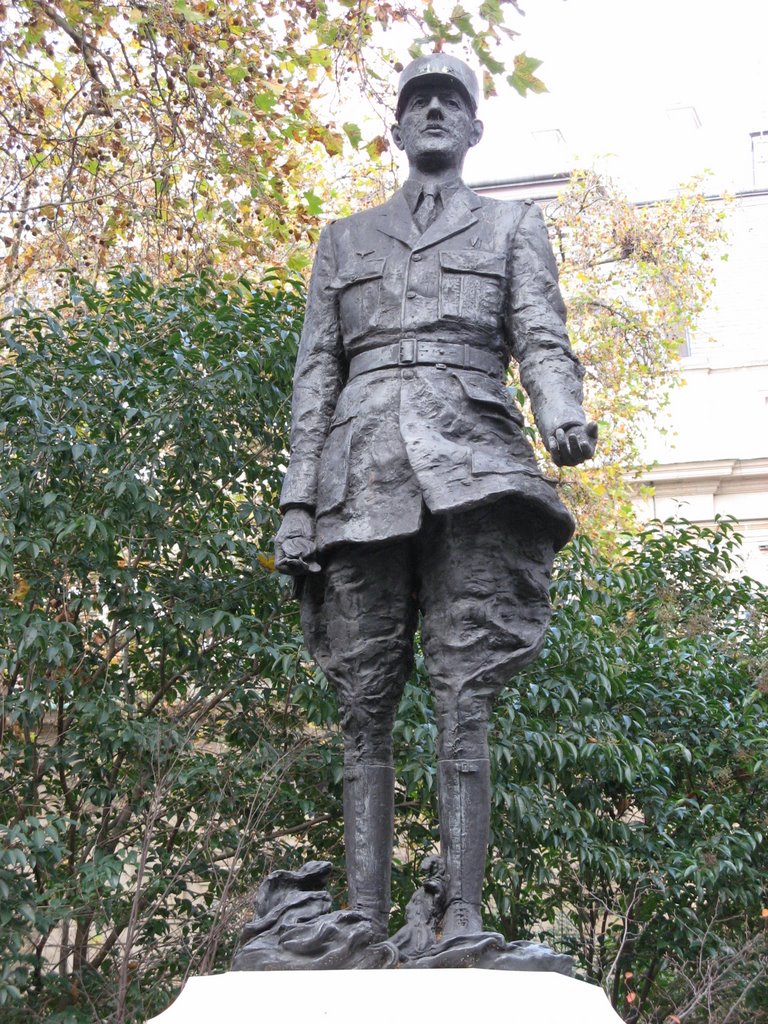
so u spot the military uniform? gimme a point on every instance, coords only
(399, 403)
(412, 456)
(400, 414)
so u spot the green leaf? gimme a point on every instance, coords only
(314, 203)
(462, 20)
(523, 78)
(188, 12)
(352, 131)
(265, 101)
(236, 73)
(492, 12)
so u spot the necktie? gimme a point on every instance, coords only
(427, 207)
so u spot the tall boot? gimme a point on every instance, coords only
(369, 813)
(464, 800)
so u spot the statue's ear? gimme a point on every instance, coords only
(397, 136)
(476, 132)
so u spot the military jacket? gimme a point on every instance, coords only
(370, 452)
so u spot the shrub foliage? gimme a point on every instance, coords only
(165, 742)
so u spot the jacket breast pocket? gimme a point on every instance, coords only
(472, 286)
(333, 473)
(359, 286)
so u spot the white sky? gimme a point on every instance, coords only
(613, 69)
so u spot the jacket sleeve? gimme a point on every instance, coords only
(550, 372)
(317, 380)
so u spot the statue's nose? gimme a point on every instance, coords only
(435, 107)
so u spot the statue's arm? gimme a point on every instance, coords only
(317, 382)
(550, 372)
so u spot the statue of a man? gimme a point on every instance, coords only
(412, 494)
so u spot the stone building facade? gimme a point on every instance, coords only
(708, 451)
(714, 459)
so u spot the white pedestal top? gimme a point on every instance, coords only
(447, 996)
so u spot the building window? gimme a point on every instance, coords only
(684, 349)
(760, 158)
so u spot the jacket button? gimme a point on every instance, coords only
(410, 295)
(417, 257)
(407, 374)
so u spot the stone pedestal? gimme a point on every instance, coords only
(447, 996)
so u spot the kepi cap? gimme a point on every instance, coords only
(439, 66)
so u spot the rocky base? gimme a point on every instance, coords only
(295, 929)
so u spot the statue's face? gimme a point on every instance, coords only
(436, 127)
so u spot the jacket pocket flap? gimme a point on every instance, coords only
(470, 261)
(339, 421)
(357, 272)
(491, 394)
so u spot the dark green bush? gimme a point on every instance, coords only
(165, 742)
(150, 745)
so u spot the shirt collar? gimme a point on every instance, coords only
(412, 191)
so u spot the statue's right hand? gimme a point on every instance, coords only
(295, 543)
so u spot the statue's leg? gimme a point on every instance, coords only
(485, 601)
(365, 647)
(464, 800)
(368, 829)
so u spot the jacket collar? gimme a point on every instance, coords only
(457, 215)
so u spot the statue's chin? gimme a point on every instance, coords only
(431, 160)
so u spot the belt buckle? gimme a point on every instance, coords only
(407, 354)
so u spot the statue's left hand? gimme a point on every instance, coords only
(573, 444)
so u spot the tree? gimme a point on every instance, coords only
(637, 746)
(165, 742)
(175, 134)
(635, 279)
(150, 747)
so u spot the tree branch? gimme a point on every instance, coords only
(86, 48)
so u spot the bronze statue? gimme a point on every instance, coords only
(412, 489)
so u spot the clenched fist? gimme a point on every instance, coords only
(573, 444)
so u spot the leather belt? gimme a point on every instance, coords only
(426, 353)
